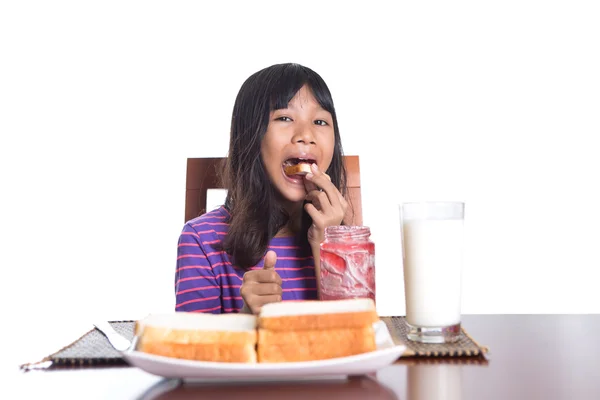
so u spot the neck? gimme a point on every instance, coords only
(294, 224)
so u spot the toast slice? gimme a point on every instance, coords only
(298, 169)
(200, 337)
(315, 314)
(311, 345)
(316, 330)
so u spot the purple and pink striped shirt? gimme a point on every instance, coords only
(206, 281)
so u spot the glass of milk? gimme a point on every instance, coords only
(432, 243)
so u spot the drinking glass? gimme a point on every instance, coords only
(432, 244)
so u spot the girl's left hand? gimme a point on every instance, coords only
(327, 207)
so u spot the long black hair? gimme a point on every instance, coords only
(256, 214)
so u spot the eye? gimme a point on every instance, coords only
(284, 119)
(321, 122)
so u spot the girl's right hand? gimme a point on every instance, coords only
(263, 286)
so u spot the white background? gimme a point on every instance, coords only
(493, 103)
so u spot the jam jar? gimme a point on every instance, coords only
(347, 263)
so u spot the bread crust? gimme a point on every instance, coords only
(319, 321)
(219, 352)
(197, 345)
(298, 169)
(301, 332)
(152, 333)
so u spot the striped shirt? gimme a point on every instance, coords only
(206, 281)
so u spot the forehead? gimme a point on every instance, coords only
(304, 99)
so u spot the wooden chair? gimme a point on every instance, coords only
(203, 174)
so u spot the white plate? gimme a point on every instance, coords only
(387, 353)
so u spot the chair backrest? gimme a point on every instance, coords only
(203, 174)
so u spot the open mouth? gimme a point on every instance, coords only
(295, 161)
(297, 167)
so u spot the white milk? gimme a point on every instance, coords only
(433, 252)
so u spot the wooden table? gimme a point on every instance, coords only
(531, 357)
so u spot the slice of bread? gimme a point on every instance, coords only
(298, 169)
(316, 330)
(315, 314)
(288, 331)
(311, 345)
(201, 337)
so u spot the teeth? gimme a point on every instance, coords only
(295, 161)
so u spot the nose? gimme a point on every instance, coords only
(304, 134)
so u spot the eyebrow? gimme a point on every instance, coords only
(292, 107)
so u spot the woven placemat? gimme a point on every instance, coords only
(91, 349)
(466, 346)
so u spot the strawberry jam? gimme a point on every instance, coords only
(347, 263)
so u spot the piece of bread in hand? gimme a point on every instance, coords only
(316, 330)
(298, 169)
(199, 336)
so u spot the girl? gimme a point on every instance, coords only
(262, 245)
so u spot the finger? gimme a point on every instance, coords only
(270, 260)
(310, 186)
(267, 289)
(266, 276)
(313, 191)
(322, 181)
(320, 201)
(312, 197)
(340, 196)
(316, 215)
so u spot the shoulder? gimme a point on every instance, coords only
(207, 230)
(215, 220)
(202, 237)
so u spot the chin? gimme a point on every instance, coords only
(293, 196)
(290, 194)
(291, 189)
